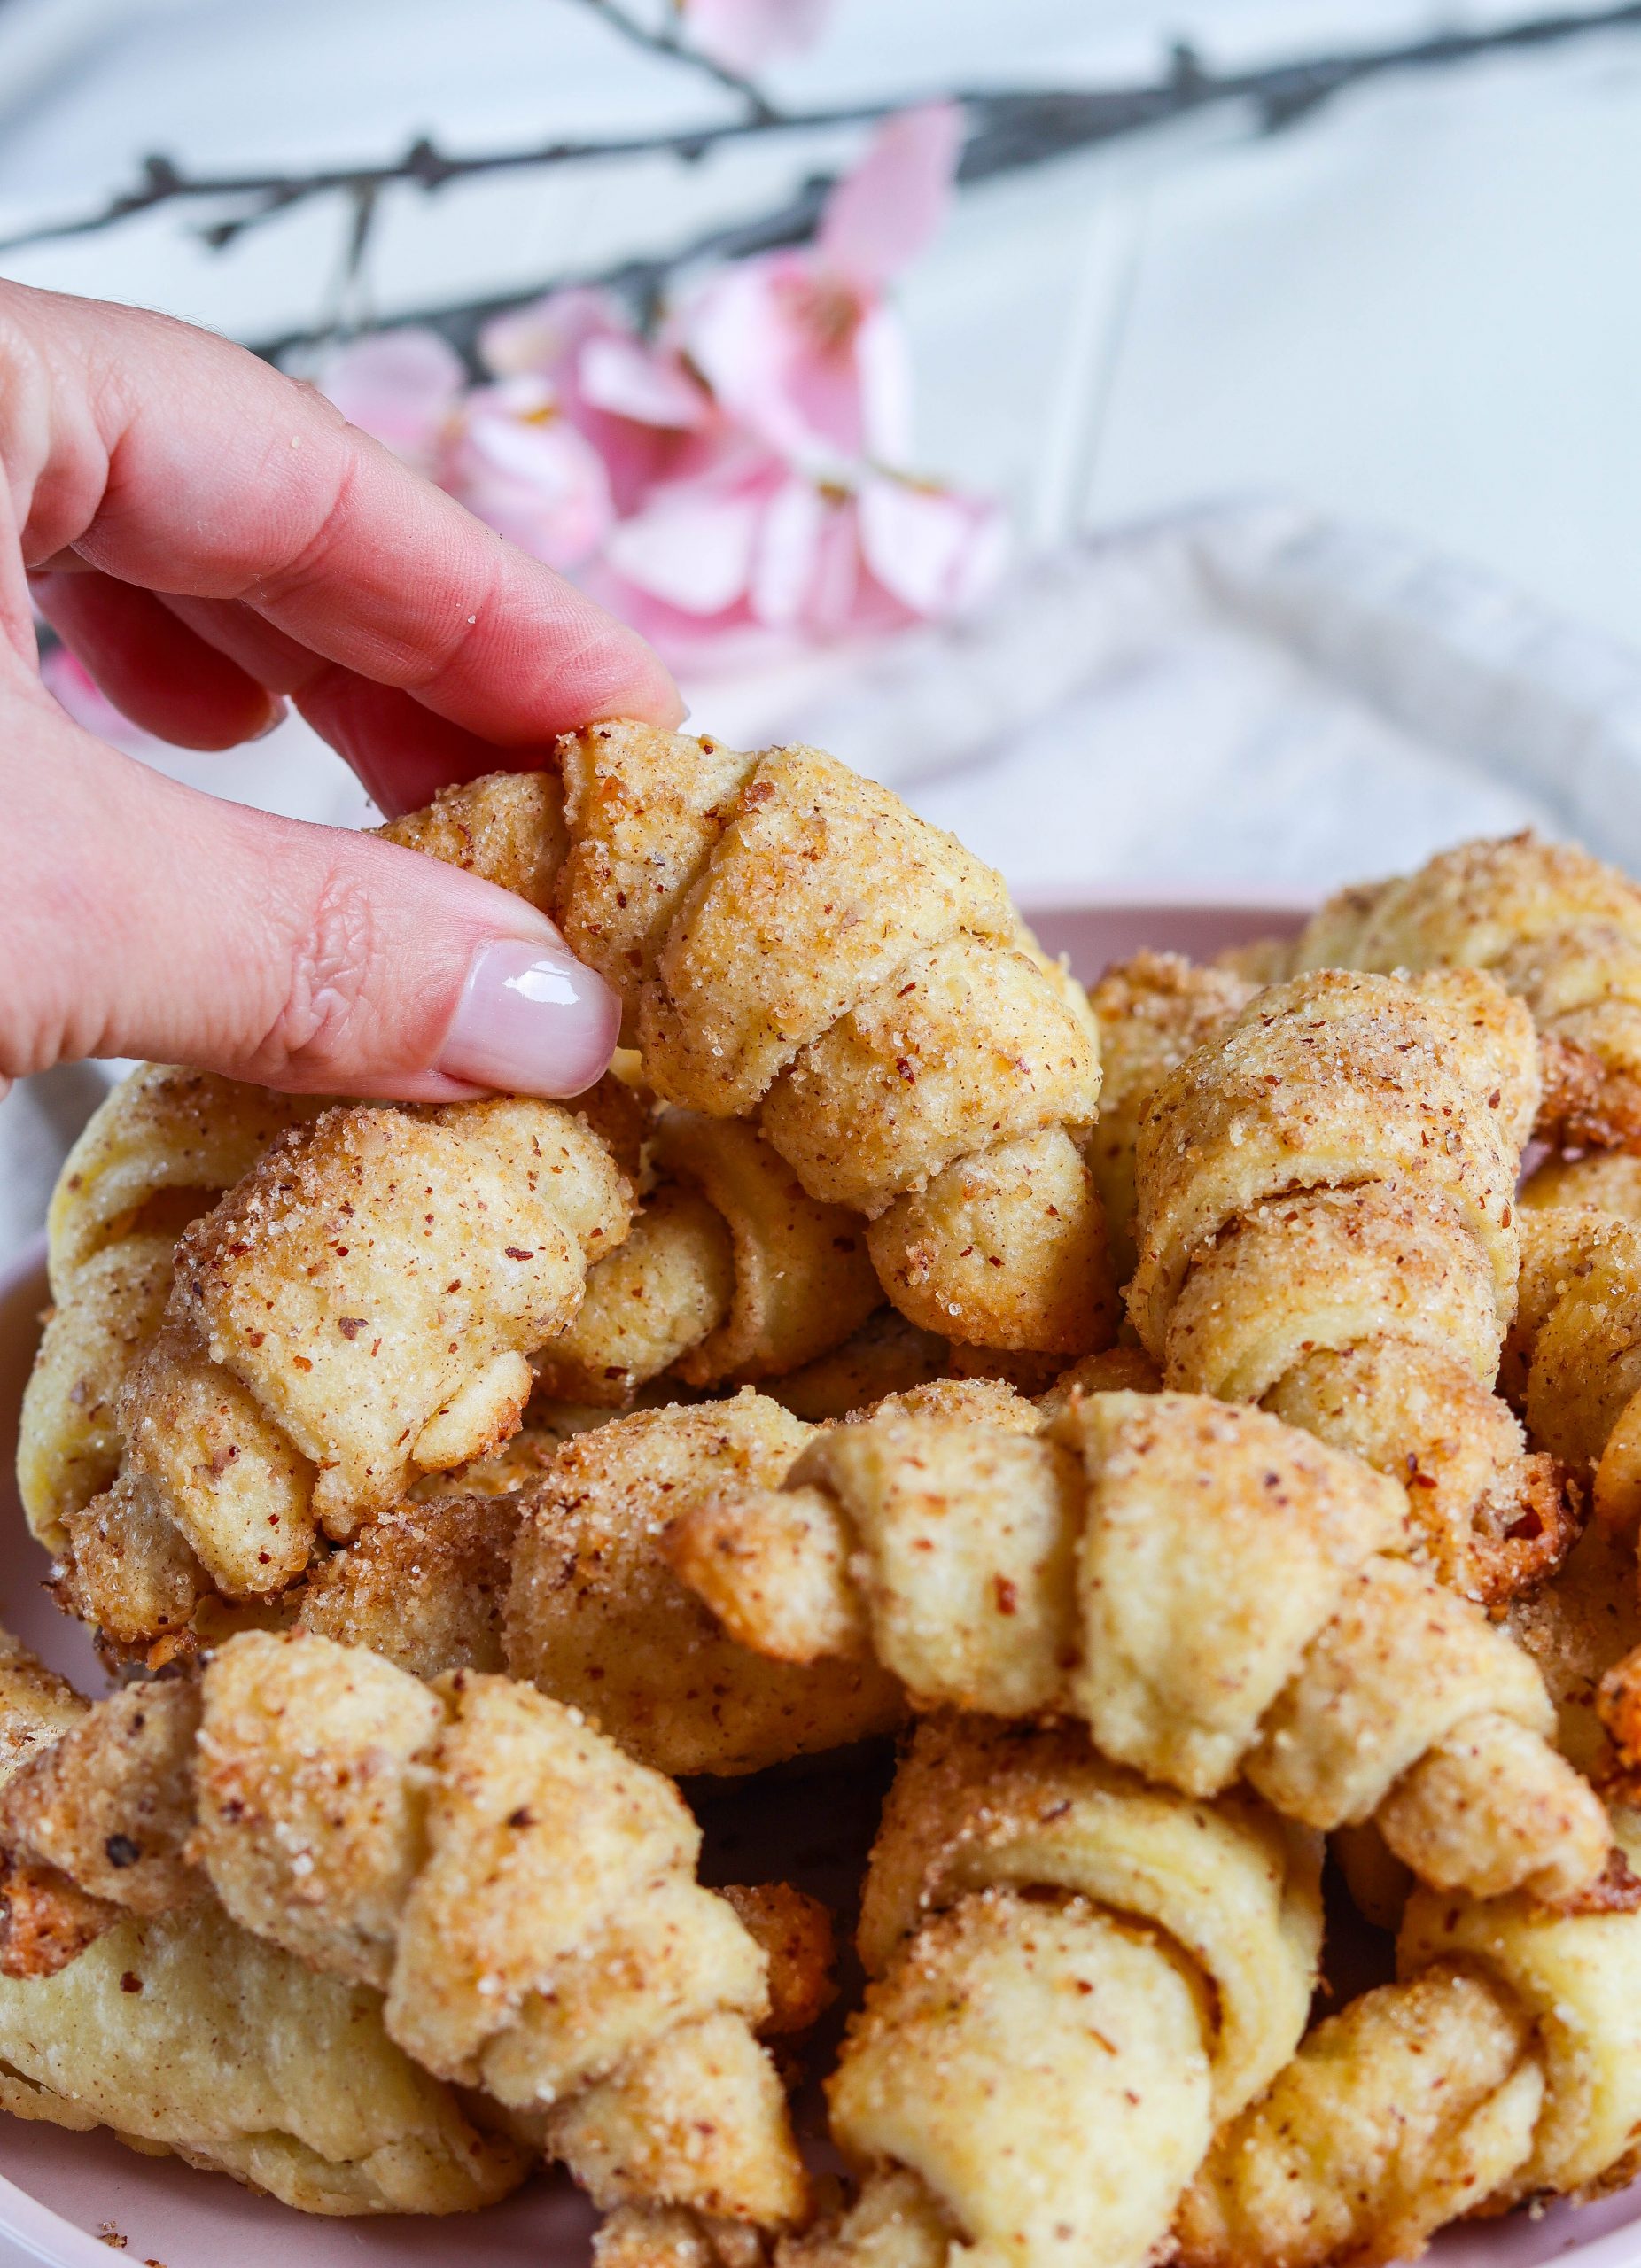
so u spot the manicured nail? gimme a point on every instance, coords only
(533, 1020)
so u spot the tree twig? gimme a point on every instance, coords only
(1007, 131)
(668, 42)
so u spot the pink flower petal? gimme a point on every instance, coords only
(628, 379)
(744, 34)
(883, 383)
(880, 215)
(788, 554)
(540, 338)
(527, 471)
(634, 403)
(776, 340)
(401, 385)
(692, 548)
(836, 590)
(707, 642)
(936, 552)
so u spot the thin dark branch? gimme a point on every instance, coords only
(640, 281)
(1007, 130)
(679, 51)
(424, 166)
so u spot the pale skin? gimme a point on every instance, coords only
(215, 540)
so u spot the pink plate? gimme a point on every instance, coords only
(63, 2196)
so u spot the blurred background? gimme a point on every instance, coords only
(1245, 314)
(1416, 303)
(1184, 444)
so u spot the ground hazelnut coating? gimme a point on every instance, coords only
(356, 1311)
(793, 946)
(565, 1584)
(350, 1423)
(1075, 1975)
(1152, 1010)
(158, 1152)
(1608, 1180)
(170, 2024)
(1573, 1360)
(1557, 929)
(1215, 1594)
(1505, 2064)
(730, 1271)
(1574, 1363)
(1326, 1223)
(521, 1894)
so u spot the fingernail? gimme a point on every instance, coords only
(532, 1020)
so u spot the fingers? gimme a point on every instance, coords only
(145, 920)
(152, 666)
(403, 753)
(164, 663)
(176, 462)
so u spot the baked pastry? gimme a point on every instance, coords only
(1573, 1362)
(565, 1586)
(158, 1152)
(886, 1356)
(1327, 1225)
(425, 1586)
(595, 1615)
(1152, 1011)
(356, 1311)
(1560, 929)
(1214, 1593)
(792, 946)
(521, 1893)
(1504, 2065)
(1608, 1180)
(184, 2033)
(730, 1271)
(1577, 1628)
(1074, 1977)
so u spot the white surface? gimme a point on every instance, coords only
(1256, 696)
(1417, 305)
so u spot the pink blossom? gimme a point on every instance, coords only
(938, 552)
(799, 346)
(403, 386)
(754, 557)
(692, 545)
(637, 405)
(745, 35)
(732, 487)
(509, 451)
(541, 339)
(520, 464)
(891, 205)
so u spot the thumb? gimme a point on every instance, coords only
(141, 918)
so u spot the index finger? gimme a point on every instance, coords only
(175, 461)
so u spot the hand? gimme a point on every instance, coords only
(210, 537)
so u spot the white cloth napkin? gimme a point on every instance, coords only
(1247, 696)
